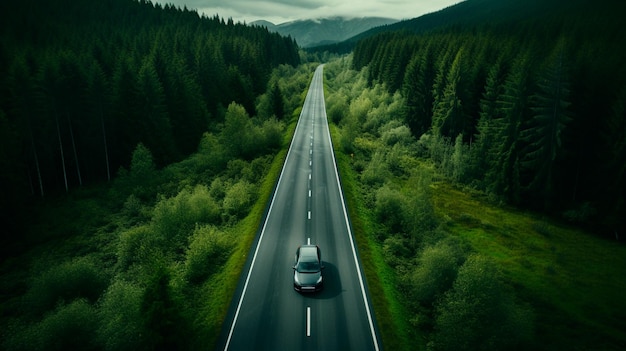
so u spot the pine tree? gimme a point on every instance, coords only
(417, 88)
(503, 177)
(448, 115)
(276, 100)
(550, 117)
(155, 128)
(483, 156)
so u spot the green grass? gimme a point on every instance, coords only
(573, 279)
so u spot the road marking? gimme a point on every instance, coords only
(351, 237)
(258, 245)
(308, 321)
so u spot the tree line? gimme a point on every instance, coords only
(81, 84)
(531, 112)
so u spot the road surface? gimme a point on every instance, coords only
(266, 313)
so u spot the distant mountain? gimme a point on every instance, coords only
(315, 32)
(475, 14)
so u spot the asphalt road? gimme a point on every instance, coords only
(266, 312)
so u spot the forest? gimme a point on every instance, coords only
(450, 266)
(81, 84)
(140, 144)
(532, 113)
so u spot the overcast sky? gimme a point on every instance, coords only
(280, 11)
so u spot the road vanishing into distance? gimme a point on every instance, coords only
(308, 206)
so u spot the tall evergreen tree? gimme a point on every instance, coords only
(155, 127)
(448, 115)
(417, 88)
(503, 176)
(483, 156)
(543, 136)
(277, 101)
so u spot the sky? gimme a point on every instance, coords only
(281, 11)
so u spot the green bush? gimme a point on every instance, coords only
(390, 208)
(436, 270)
(479, 312)
(137, 245)
(377, 170)
(69, 327)
(208, 249)
(176, 217)
(238, 200)
(79, 278)
(120, 317)
(271, 136)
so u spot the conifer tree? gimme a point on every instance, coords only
(485, 146)
(550, 117)
(418, 83)
(448, 113)
(155, 128)
(503, 176)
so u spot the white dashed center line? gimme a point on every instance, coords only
(308, 321)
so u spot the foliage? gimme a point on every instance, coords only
(92, 81)
(208, 249)
(148, 259)
(78, 278)
(421, 226)
(478, 313)
(120, 317)
(521, 100)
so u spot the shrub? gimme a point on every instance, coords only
(238, 200)
(396, 250)
(80, 278)
(120, 317)
(390, 208)
(436, 270)
(377, 170)
(271, 136)
(176, 217)
(138, 245)
(69, 327)
(397, 135)
(479, 313)
(208, 249)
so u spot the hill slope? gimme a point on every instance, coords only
(315, 32)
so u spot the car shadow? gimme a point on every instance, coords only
(332, 283)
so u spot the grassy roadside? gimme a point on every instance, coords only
(222, 286)
(388, 310)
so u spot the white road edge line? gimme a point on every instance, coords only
(345, 214)
(269, 211)
(308, 321)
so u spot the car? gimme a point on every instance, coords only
(307, 269)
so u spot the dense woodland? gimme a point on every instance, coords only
(135, 143)
(82, 83)
(533, 113)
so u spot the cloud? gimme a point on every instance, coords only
(279, 11)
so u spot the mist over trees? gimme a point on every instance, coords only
(82, 83)
(533, 109)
